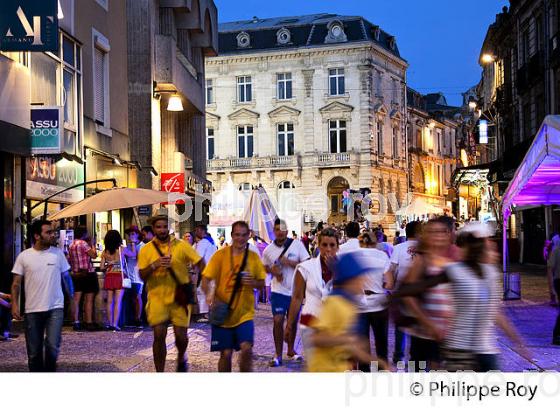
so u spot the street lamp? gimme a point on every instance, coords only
(175, 103)
(472, 103)
(487, 58)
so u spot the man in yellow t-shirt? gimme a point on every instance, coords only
(238, 330)
(161, 308)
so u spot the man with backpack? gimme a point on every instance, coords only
(280, 259)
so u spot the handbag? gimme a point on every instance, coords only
(126, 281)
(184, 292)
(219, 311)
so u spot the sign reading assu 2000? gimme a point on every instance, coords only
(46, 126)
(29, 25)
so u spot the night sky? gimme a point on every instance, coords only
(440, 39)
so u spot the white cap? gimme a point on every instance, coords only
(478, 230)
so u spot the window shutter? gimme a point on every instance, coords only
(99, 78)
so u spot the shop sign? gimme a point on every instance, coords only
(196, 185)
(173, 182)
(144, 210)
(29, 25)
(46, 130)
(45, 176)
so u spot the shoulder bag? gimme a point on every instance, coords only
(185, 293)
(219, 311)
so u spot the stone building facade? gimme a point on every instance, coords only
(308, 107)
(168, 41)
(433, 130)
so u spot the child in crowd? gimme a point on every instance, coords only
(336, 344)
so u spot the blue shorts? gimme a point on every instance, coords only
(280, 304)
(229, 338)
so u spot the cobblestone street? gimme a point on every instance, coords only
(130, 351)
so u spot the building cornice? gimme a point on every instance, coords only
(307, 51)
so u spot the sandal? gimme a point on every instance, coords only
(275, 362)
(296, 358)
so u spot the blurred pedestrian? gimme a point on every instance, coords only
(401, 261)
(236, 271)
(113, 264)
(382, 244)
(280, 258)
(189, 238)
(332, 335)
(554, 273)
(147, 234)
(204, 246)
(372, 304)
(43, 267)
(130, 252)
(352, 231)
(433, 310)
(313, 281)
(547, 253)
(163, 265)
(84, 278)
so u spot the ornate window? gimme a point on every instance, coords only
(243, 40)
(336, 32)
(283, 36)
(284, 81)
(336, 81)
(245, 141)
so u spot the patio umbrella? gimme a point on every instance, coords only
(260, 214)
(116, 198)
(419, 207)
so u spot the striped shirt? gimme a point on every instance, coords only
(436, 304)
(476, 304)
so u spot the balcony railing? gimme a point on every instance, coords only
(274, 161)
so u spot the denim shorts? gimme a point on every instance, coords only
(280, 304)
(229, 338)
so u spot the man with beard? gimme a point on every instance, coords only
(44, 267)
(162, 263)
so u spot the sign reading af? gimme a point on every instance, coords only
(28, 25)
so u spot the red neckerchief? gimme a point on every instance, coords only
(326, 272)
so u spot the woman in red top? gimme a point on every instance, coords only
(112, 264)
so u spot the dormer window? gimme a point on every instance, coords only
(283, 36)
(336, 32)
(243, 40)
(392, 43)
(376, 31)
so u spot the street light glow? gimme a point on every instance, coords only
(487, 58)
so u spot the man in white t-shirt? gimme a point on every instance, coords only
(280, 258)
(205, 248)
(352, 231)
(372, 306)
(401, 261)
(44, 267)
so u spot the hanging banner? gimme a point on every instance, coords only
(29, 25)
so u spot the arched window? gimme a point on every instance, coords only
(286, 199)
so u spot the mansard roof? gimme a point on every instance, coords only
(306, 31)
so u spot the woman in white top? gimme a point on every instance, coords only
(312, 282)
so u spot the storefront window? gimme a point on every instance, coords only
(56, 81)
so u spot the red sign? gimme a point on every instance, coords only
(173, 182)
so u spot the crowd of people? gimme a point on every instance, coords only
(333, 288)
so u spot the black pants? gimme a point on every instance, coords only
(5, 320)
(379, 322)
(422, 352)
(556, 333)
